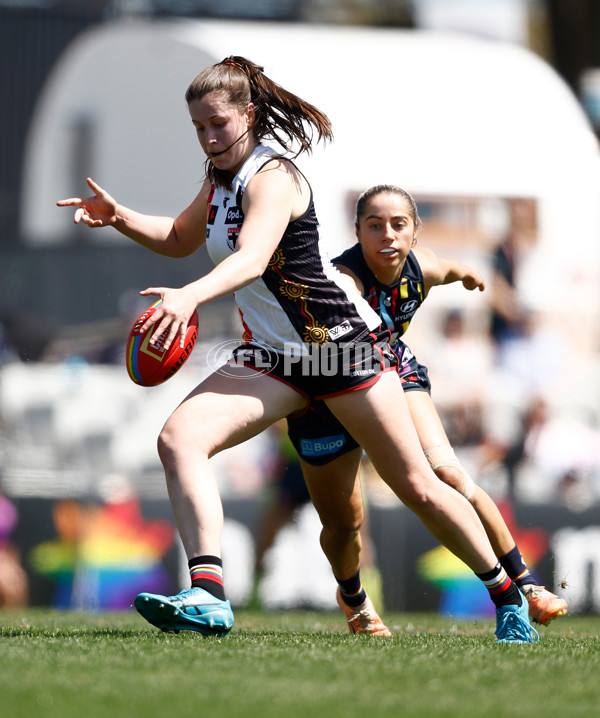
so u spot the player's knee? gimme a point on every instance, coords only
(180, 436)
(420, 494)
(171, 442)
(448, 468)
(451, 476)
(166, 446)
(343, 528)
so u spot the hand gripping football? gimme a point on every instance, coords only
(152, 364)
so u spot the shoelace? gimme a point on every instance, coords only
(179, 599)
(514, 627)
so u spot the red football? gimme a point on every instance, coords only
(150, 364)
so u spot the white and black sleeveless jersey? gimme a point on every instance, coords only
(300, 299)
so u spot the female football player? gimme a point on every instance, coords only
(255, 212)
(395, 276)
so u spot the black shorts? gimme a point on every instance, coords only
(326, 370)
(319, 437)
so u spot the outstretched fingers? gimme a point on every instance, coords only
(95, 211)
(80, 212)
(71, 201)
(96, 189)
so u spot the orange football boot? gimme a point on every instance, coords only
(544, 606)
(363, 618)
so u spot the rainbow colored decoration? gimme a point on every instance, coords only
(104, 555)
(137, 341)
(462, 593)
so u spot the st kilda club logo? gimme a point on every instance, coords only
(233, 216)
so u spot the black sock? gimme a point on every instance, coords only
(353, 594)
(503, 591)
(516, 568)
(207, 572)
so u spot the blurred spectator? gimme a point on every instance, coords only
(462, 361)
(507, 312)
(575, 491)
(14, 585)
(533, 360)
(565, 450)
(554, 456)
(506, 448)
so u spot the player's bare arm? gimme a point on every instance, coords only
(189, 228)
(267, 204)
(163, 235)
(437, 271)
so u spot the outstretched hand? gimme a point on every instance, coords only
(473, 280)
(100, 210)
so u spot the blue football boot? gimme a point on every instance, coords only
(191, 610)
(512, 624)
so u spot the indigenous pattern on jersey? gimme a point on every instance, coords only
(317, 435)
(299, 300)
(397, 303)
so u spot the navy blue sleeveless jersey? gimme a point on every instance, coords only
(397, 303)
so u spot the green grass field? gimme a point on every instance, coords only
(72, 665)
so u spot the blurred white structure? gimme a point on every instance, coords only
(441, 114)
(444, 115)
(64, 427)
